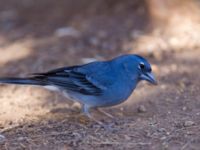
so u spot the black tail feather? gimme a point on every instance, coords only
(23, 81)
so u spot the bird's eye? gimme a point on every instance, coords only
(142, 66)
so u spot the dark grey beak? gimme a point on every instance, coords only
(149, 77)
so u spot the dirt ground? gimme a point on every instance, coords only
(38, 36)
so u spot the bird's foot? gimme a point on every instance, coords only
(107, 127)
(105, 113)
(94, 119)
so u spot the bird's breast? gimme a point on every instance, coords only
(118, 93)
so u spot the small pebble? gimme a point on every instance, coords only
(66, 32)
(184, 108)
(88, 60)
(126, 137)
(162, 130)
(21, 138)
(122, 108)
(142, 109)
(76, 106)
(163, 138)
(94, 41)
(2, 138)
(169, 112)
(188, 123)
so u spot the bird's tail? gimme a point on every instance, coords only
(22, 81)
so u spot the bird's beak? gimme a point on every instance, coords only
(149, 77)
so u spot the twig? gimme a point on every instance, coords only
(185, 145)
(9, 128)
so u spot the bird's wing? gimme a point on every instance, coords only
(83, 79)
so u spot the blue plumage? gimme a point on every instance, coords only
(97, 84)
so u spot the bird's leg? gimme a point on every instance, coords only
(86, 111)
(105, 113)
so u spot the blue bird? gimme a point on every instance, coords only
(96, 84)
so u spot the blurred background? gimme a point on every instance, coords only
(40, 35)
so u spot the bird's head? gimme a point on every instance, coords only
(140, 67)
(145, 71)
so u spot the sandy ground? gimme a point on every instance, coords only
(166, 116)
